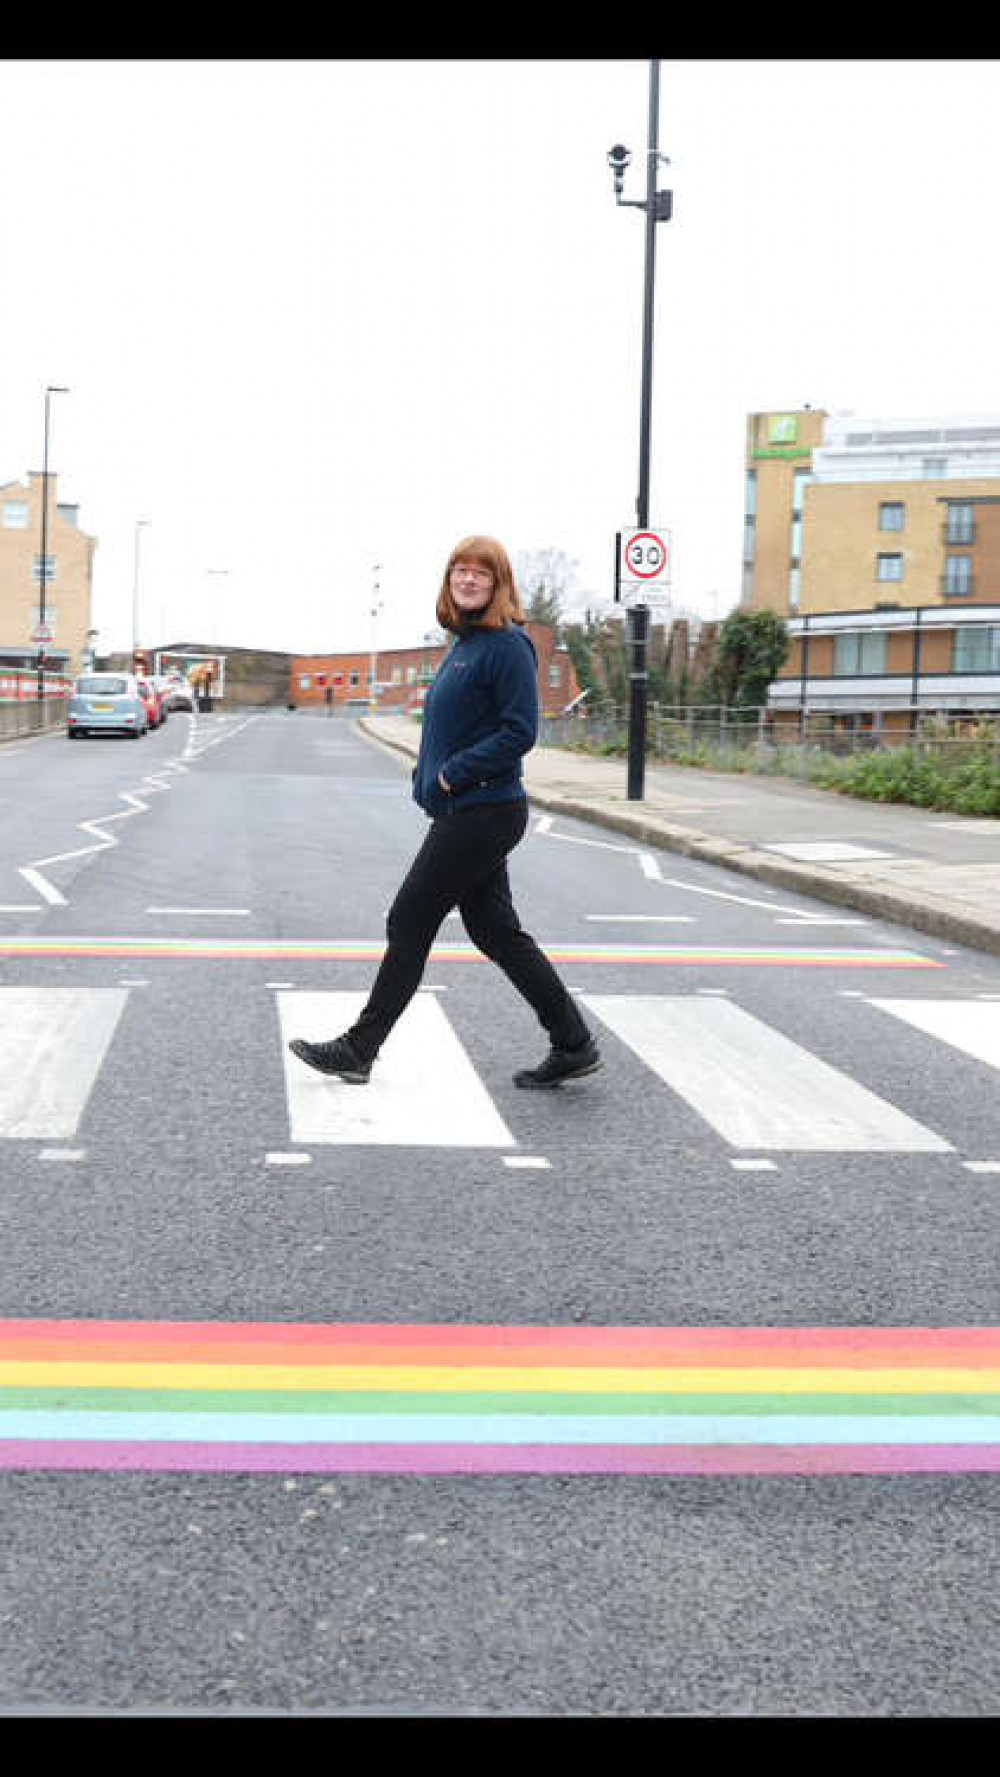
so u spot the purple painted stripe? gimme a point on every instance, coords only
(500, 1459)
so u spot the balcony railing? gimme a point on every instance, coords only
(958, 532)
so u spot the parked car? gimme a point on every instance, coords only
(153, 702)
(164, 687)
(180, 695)
(106, 703)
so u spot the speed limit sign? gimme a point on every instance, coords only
(643, 562)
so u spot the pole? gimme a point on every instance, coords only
(372, 696)
(135, 596)
(638, 615)
(52, 389)
(45, 544)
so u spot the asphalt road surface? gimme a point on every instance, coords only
(207, 1249)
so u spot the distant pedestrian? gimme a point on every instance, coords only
(480, 717)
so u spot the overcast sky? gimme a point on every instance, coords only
(318, 316)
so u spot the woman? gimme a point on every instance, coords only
(480, 717)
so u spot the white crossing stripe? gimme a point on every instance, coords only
(53, 1041)
(756, 1087)
(423, 1091)
(970, 1025)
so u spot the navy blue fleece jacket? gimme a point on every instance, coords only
(480, 718)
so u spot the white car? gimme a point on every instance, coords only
(180, 695)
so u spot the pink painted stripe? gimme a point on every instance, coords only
(500, 1459)
(84, 1341)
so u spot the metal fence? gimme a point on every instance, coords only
(753, 739)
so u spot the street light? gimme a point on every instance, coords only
(140, 524)
(658, 206)
(43, 574)
(376, 608)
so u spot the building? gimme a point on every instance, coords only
(403, 675)
(879, 542)
(68, 581)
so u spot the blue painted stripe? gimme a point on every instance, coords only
(528, 1428)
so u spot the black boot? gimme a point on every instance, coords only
(335, 1057)
(560, 1065)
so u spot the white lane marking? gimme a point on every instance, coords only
(53, 1041)
(650, 868)
(754, 1165)
(47, 890)
(756, 1087)
(423, 1091)
(62, 1154)
(153, 782)
(287, 1159)
(661, 919)
(526, 1160)
(136, 981)
(818, 919)
(20, 907)
(981, 1165)
(222, 912)
(970, 1025)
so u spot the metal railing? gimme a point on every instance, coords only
(756, 739)
(30, 715)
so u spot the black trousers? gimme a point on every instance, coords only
(463, 863)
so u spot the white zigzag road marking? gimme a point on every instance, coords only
(152, 784)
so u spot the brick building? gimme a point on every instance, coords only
(403, 675)
(68, 577)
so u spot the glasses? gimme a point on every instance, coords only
(471, 573)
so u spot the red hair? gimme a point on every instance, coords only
(505, 600)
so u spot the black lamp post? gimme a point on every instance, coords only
(658, 206)
(43, 571)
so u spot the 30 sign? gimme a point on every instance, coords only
(643, 562)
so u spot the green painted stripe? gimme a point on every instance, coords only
(221, 1401)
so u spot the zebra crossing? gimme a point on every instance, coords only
(748, 1081)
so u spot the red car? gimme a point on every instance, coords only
(152, 703)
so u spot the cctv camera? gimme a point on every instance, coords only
(618, 159)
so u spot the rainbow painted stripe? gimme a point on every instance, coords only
(412, 1399)
(323, 949)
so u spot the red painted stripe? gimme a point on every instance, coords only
(524, 1459)
(360, 1343)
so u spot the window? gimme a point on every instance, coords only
(957, 575)
(889, 567)
(891, 515)
(397, 675)
(15, 515)
(304, 681)
(794, 587)
(859, 651)
(960, 526)
(799, 482)
(411, 675)
(50, 567)
(555, 673)
(934, 468)
(977, 648)
(354, 681)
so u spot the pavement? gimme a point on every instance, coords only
(934, 872)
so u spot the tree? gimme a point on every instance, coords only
(544, 577)
(751, 648)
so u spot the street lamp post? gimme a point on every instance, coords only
(43, 572)
(658, 206)
(140, 524)
(376, 608)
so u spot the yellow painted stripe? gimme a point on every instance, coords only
(499, 1377)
